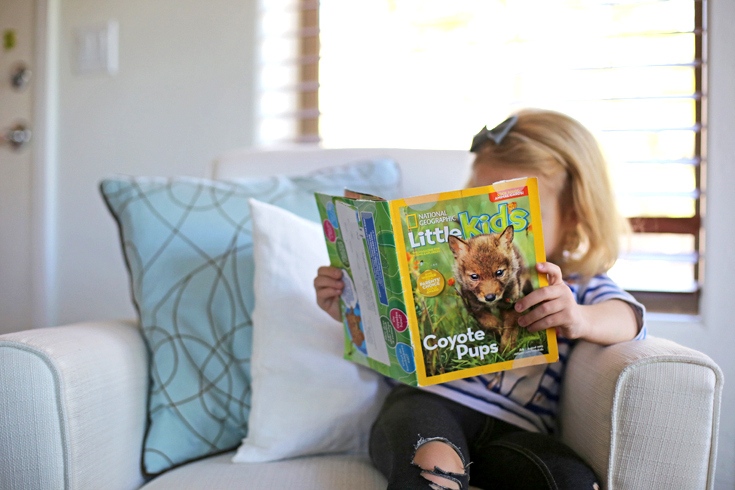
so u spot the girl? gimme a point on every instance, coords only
(503, 424)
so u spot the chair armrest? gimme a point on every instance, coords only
(643, 414)
(73, 406)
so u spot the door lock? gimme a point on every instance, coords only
(20, 77)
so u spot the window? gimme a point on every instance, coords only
(288, 74)
(430, 73)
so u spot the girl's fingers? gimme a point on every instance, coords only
(537, 297)
(546, 322)
(323, 280)
(329, 271)
(542, 310)
(552, 271)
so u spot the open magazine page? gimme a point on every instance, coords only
(360, 300)
(360, 241)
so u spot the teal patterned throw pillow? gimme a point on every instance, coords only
(188, 248)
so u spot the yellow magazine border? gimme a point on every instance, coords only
(536, 222)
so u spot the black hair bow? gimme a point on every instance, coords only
(496, 134)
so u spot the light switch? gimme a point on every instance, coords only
(97, 49)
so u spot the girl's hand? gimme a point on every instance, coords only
(555, 306)
(328, 285)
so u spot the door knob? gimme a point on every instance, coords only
(16, 137)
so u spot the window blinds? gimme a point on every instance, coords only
(429, 73)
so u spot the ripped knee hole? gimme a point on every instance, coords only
(439, 466)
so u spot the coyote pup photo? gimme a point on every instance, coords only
(491, 276)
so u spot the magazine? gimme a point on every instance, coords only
(431, 281)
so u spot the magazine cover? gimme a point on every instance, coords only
(431, 281)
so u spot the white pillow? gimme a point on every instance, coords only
(306, 398)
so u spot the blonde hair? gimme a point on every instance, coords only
(550, 143)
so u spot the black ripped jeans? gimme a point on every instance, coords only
(499, 455)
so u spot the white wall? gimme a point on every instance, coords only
(184, 93)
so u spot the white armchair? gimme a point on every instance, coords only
(73, 399)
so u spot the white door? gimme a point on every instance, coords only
(16, 109)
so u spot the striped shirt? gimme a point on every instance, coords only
(528, 397)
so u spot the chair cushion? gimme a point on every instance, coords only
(314, 472)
